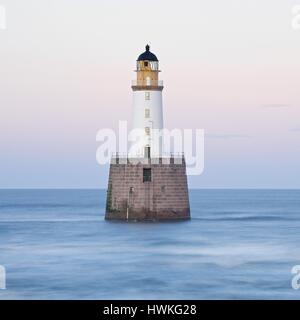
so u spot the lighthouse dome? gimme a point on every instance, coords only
(147, 55)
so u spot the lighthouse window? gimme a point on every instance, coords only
(147, 113)
(154, 65)
(146, 174)
(147, 131)
(146, 63)
(147, 95)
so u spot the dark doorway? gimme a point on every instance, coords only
(146, 175)
(147, 152)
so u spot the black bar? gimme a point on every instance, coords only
(149, 309)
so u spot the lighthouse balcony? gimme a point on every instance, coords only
(170, 158)
(147, 84)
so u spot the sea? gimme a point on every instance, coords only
(239, 244)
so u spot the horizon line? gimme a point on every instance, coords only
(92, 188)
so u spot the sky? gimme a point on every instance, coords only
(230, 67)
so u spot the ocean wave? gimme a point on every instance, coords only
(249, 218)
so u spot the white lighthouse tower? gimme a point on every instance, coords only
(147, 120)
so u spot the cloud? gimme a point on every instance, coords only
(276, 106)
(227, 136)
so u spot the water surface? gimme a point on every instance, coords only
(240, 244)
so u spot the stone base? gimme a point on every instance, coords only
(130, 196)
(167, 215)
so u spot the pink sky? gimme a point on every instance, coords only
(231, 68)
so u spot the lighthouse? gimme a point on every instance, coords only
(147, 106)
(147, 184)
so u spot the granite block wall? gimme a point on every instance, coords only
(165, 197)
